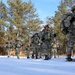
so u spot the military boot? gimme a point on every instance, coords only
(28, 57)
(69, 58)
(18, 58)
(8, 56)
(36, 57)
(46, 57)
(32, 56)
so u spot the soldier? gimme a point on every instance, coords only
(46, 38)
(54, 48)
(8, 48)
(35, 40)
(68, 24)
(17, 47)
(28, 51)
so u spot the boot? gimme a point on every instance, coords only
(27, 57)
(8, 56)
(69, 58)
(36, 56)
(46, 57)
(18, 58)
(32, 56)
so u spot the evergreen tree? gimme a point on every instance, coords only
(3, 15)
(23, 17)
(62, 9)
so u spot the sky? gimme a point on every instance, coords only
(44, 7)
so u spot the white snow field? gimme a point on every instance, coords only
(24, 66)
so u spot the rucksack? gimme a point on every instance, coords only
(64, 29)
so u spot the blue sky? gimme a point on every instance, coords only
(44, 7)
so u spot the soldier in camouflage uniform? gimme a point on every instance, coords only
(46, 38)
(18, 47)
(54, 48)
(8, 47)
(28, 51)
(69, 28)
(35, 40)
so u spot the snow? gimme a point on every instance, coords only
(24, 66)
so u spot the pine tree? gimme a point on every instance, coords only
(3, 16)
(23, 18)
(62, 9)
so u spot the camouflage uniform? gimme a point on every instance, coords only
(40, 50)
(46, 37)
(18, 47)
(28, 50)
(58, 48)
(35, 40)
(69, 24)
(8, 48)
(54, 48)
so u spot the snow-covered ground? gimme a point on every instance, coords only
(23, 66)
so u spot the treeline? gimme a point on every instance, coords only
(20, 20)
